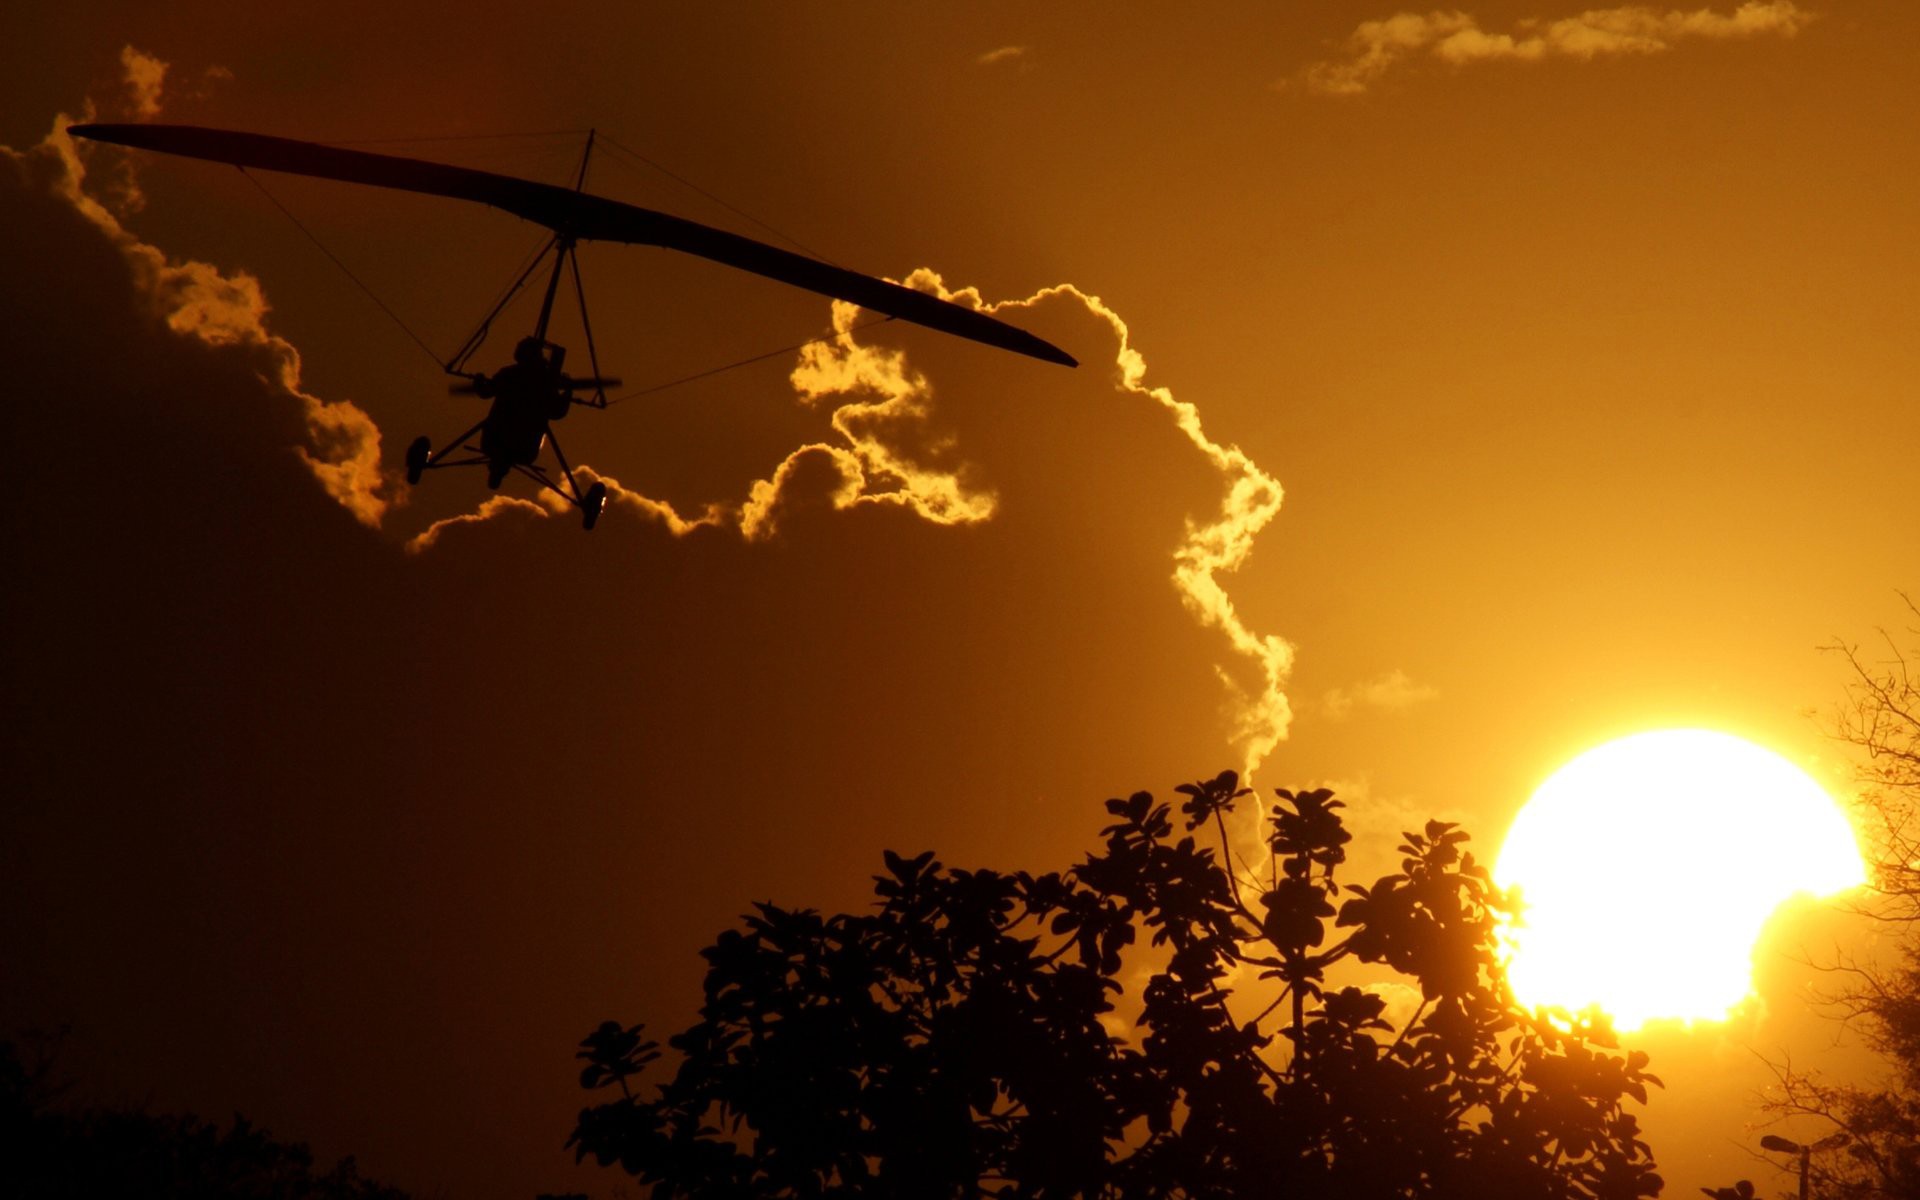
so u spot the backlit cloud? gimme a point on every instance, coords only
(1457, 38)
(1216, 548)
(545, 504)
(887, 449)
(145, 75)
(199, 301)
(882, 458)
(878, 468)
(489, 508)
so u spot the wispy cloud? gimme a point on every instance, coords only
(1002, 55)
(197, 300)
(1457, 38)
(1388, 693)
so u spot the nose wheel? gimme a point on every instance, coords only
(591, 504)
(417, 455)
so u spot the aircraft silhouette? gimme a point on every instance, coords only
(533, 391)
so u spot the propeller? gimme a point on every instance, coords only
(566, 383)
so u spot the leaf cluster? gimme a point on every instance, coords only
(1146, 1024)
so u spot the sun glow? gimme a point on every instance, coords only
(1648, 867)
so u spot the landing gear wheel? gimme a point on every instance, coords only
(417, 455)
(590, 506)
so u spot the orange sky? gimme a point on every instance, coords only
(1582, 353)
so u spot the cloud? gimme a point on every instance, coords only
(891, 446)
(1004, 54)
(1388, 693)
(1204, 559)
(878, 456)
(1215, 549)
(882, 458)
(144, 76)
(490, 508)
(1456, 37)
(197, 300)
(887, 446)
(545, 504)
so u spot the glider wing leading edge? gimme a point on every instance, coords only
(579, 216)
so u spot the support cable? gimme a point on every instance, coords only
(674, 383)
(500, 302)
(456, 137)
(586, 326)
(453, 365)
(738, 212)
(456, 364)
(346, 270)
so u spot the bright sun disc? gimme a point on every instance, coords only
(1648, 866)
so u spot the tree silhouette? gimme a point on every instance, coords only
(52, 1153)
(1880, 999)
(968, 1037)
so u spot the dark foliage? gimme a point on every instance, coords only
(51, 1153)
(965, 1038)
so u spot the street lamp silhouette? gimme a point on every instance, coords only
(1784, 1146)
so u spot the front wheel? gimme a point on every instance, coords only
(417, 455)
(592, 503)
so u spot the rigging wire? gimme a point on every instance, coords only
(541, 251)
(346, 270)
(456, 137)
(521, 271)
(708, 374)
(739, 212)
(533, 152)
(501, 302)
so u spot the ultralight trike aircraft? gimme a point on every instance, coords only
(533, 391)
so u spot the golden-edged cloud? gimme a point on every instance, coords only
(1216, 548)
(884, 447)
(879, 467)
(489, 508)
(882, 457)
(545, 504)
(1377, 46)
(199, 301)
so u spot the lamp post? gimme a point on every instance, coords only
(1784, 1146)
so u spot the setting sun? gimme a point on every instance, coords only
(1648, 867)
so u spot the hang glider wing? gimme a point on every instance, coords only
(577, 215)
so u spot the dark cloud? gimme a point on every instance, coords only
(359, 841)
